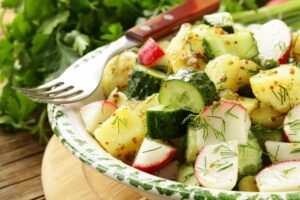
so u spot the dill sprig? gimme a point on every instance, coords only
(219, 134)
(294, 151)
(294, 125)
(228, 112)
(225, 167)
(118, 121)
(154, 149)
(225, 151)
(287, 171)
(187, 177)
(282, 95)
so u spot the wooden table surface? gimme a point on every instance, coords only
(20, 161)
(20, 166)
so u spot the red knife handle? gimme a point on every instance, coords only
(169, 21)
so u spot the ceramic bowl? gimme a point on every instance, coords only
(68, 127)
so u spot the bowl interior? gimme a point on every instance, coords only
(67, 125)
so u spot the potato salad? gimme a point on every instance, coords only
(215, 105)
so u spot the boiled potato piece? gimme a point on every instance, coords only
(248, 184)
(117, 70)
(278, 87)
(122, 134)
(249, 103)
(296, 46)
(186, 49)
(149, 102)
(121, 99)
(267, 117)
(230, 72)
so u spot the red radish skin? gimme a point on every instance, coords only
(278, 163)
(195, 168)
(227, 102)
(274, 40)
(285, 58)
(285, 135)
(104, 102)
(275, 2)
(150, 53)
(152, 168)
(270, 166)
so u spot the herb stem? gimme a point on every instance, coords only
(3, 30)
(284, 11)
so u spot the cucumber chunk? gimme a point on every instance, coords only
(248, 184)
(223, 20)
(250, 157)
(192, 147)
(188, 90)
(186, 175)
(240, 44)
(165, 122)
(265, 134)
(144, 82)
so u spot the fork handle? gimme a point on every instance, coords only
(169, 21)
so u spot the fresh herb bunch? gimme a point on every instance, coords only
(47, 36)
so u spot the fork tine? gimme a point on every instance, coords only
(64, 95)
(67, 95)
(49, 93)
(59, 101)
(45, 87)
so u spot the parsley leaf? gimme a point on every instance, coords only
(46, 37)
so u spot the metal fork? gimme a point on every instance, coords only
(82, 78)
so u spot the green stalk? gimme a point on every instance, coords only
(2, 27)
(262, 15)
(296, 25)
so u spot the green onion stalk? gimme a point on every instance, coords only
(288, 12)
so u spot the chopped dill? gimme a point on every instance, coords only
(294, 125)
(282, 95)
(225, 167)
(294, 151)
(119, 122)
(152, 149)
(187, 177)
(225, 151)
(287, 171)
(228, 112)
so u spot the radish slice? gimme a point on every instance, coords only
(224, 121)
(291, 125)
(96, 113)
(150, 52)
(273, 41)
(281, 177)
(169, 171)
(275, 2)
(216, 166)
(282, 151)
(153, 155)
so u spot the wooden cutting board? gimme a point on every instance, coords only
(65, 177)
